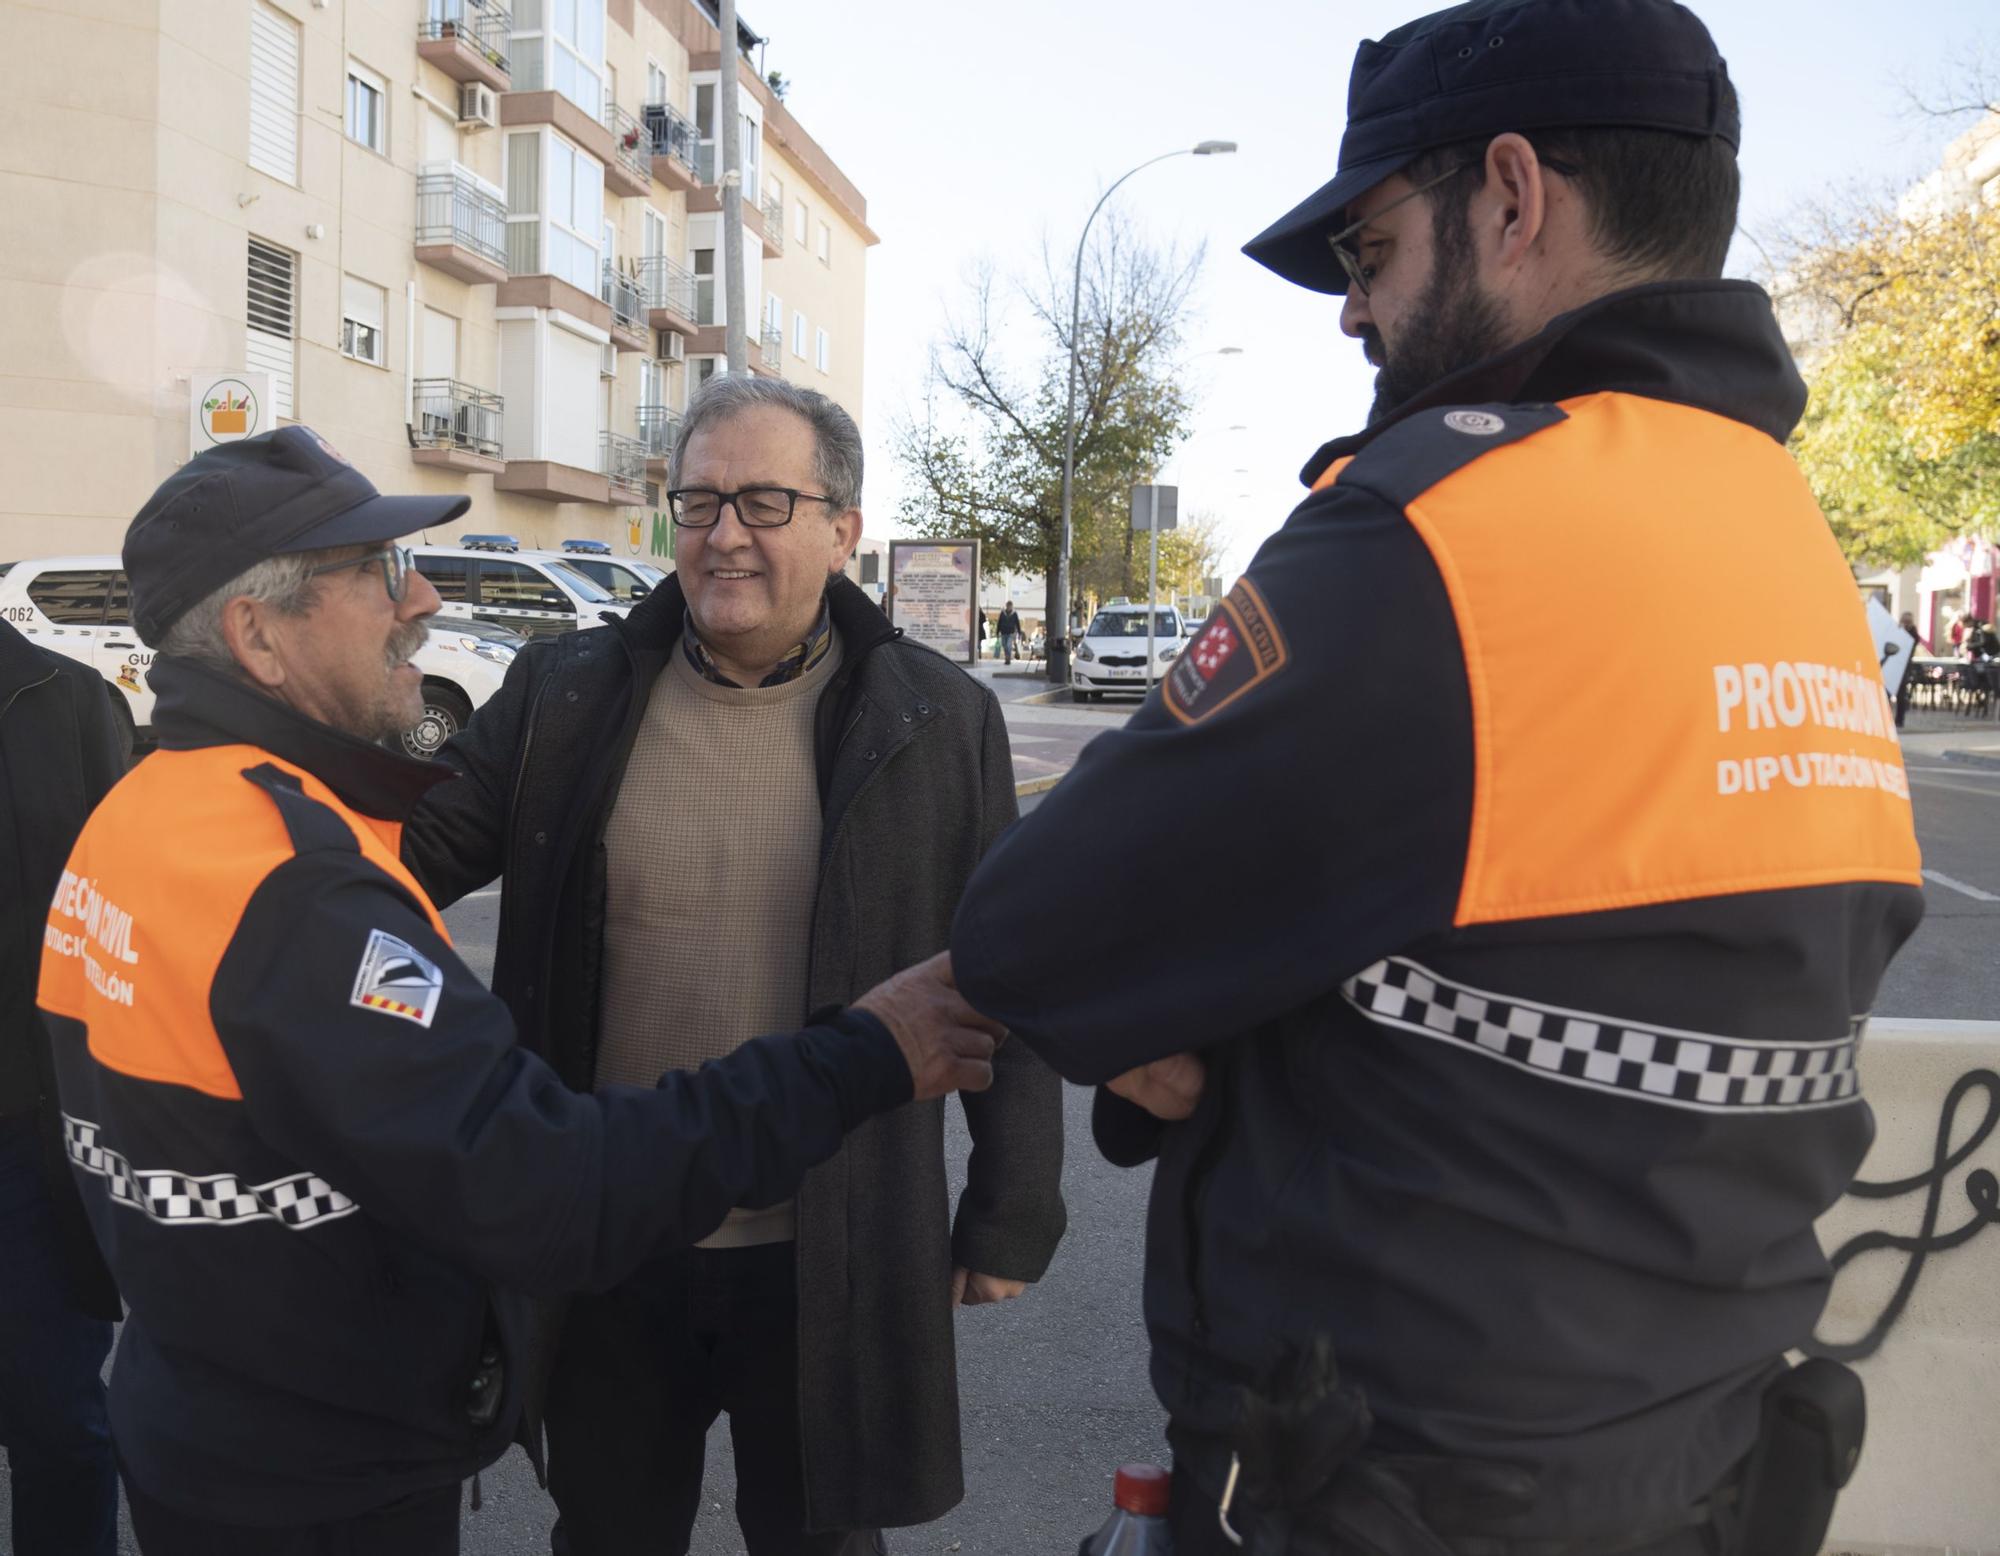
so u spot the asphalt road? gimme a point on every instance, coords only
(1053, 1387)
(1951, 967)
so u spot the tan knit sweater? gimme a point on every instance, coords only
(712, 859)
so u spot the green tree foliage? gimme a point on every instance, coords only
(1901, 441)
(984, 455)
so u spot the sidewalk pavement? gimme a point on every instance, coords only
(1047, 738)
(1973, 743)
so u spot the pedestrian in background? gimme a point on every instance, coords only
(58, 758)
(1908, 622)
(728, 809)
(319, 1165)
(1010, 630)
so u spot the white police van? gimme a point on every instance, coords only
(80, 607)
(626, 581)
(490, 578)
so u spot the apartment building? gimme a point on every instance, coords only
(478, 250)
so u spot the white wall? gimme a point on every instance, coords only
(1926, 1483)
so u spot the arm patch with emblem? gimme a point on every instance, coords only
(1240, 646)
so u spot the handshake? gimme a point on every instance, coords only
(946, 1043)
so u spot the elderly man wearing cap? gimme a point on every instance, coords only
(1497, 1083)
(314, 1157)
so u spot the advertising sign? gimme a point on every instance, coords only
(225, 405)
(934, 594)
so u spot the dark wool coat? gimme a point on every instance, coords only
(58, 757)
(915, 783)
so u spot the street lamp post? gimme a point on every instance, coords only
(1059, 640)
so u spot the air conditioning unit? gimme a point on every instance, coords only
(478, 105)
(674, 346)
(609, 365)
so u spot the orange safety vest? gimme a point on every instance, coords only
(153, 894)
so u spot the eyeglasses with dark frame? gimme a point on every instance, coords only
(396, 561)
(1359, 273)
(757, 507)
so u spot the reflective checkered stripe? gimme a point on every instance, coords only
(220, 1199)
(1649, 1064)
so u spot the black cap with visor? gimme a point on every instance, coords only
(1499, 65)
(241, 503)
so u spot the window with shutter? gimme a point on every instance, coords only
(362, 330)
(367, 108)
(271, 320)
(274, 94)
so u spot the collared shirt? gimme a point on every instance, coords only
(799, 658)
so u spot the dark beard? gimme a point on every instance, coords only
(1453, 325)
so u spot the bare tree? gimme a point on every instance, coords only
(984, 449)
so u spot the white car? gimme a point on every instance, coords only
(1110, 657)
(80, 607)
(489, 578)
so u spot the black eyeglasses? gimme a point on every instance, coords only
(396, 564)
(759, 507)
(1360, 273)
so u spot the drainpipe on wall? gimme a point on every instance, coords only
(410, 355)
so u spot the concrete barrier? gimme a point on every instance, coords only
(1925, 1307)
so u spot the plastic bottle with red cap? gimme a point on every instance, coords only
(1138, 1523)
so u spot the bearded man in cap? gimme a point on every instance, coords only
(1498, 1082)
(318, 1164)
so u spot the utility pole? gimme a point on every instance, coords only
(729, 141)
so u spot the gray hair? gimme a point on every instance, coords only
(836, 440)
(283, 582)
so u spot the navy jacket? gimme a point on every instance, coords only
(317, 1160)
(1529, 964)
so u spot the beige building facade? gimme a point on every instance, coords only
(477, 250)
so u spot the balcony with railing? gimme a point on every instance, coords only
(456, 425)
(630, 170)
(623, 461)
(669, 292)
(658, 427)
(620, 293)
(771, 356)
(675, 149)
(467, 40)
(461, 226)
(774, 229)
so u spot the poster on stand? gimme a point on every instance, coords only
(934, 595)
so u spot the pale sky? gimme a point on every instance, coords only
(976, 131)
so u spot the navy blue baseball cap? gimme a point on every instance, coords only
(1499, 65)
(238, 504)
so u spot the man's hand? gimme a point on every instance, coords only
(946, 1043)
(1167, 1088)
(969, 1288)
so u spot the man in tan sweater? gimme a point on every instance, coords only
(718, 816)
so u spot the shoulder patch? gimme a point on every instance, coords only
(311, 825)
(1240, 646)
(396, 979)
(1416, 453)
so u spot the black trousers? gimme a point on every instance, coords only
(425, 1524)
(1198, 1532)
(642, 1374)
